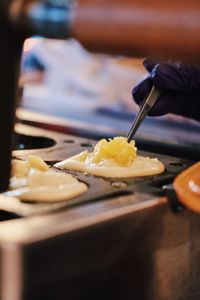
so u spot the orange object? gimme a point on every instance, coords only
(187, 187)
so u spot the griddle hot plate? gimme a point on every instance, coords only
(119, 240)
(54, 147)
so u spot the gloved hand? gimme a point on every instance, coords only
(179, 86)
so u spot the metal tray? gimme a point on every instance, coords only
(55, 147)
(116, 243)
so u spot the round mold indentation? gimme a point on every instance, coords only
(177, 164)
(23, 142)
(69, 141)
(86, 145)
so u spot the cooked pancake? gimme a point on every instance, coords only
(33, 181)
(114, 158)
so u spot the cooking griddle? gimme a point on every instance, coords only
(119, 240)
(54, 147)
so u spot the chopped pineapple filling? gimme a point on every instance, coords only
(113, 158)
(83, 156)
(37, 163)
(118, 149)
(22, 168)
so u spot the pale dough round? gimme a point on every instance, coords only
(141, 166)
(46, 186)
(49, 193)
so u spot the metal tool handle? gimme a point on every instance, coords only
(144, 110)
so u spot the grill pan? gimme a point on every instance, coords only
(54, 147)
(124, 244)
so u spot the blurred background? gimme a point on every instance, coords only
(64, 72)
(92, 92)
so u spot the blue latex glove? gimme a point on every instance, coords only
(179, 85)
(31, 62)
